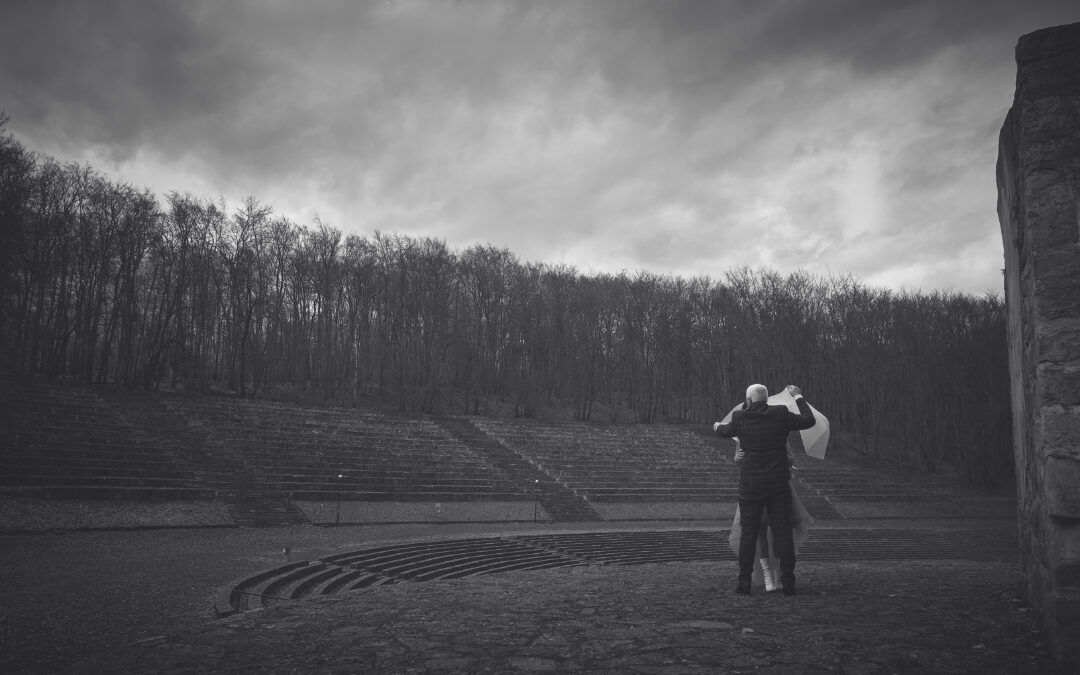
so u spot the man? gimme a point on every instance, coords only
(764, 477)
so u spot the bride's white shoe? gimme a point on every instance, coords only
(771, 577)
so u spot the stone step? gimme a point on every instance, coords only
(95, 481)
(450, 559)
(93, 462)
(275, 452)
(414, 488)
(169, 472)
(725, 497)
(647, 485)
(559, 502)
(110, 492)
(361, 467)
(411, 495)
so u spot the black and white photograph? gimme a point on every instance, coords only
(570, 336)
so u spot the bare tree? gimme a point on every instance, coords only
(97, 282)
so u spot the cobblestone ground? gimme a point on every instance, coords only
(933, 617)
(84, 598)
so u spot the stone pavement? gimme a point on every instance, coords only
(849, 617)
(452, 558)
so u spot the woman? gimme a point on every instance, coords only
(768, 568)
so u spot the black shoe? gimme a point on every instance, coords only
(789, 590)
(743, 588)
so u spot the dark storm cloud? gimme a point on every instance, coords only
(619, 134)
(119, 74)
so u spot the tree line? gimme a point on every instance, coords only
(105, 282)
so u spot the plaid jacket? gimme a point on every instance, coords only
(763, 430)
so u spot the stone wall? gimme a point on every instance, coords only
(1038, 176)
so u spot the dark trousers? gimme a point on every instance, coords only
(776, 499)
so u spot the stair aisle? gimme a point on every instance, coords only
(562, 504)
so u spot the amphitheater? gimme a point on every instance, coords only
(295, 503)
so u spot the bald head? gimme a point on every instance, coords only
(756, 393)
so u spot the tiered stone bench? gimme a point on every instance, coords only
(70, 460)
(239, 461)
(63, 441)
(344, 465)
(887, 492)
(627, 472)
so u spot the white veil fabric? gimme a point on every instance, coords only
(813, 441)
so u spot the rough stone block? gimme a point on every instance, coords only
(1056, 74)
(1045, 184)
(1058, 388)
(1061, 478)
(1058, 231)
(1065, 634)
(1067, 575)
(1059, 341)
(1065, 535)
(1058, 267)
(1054, 112)
(1054, 306)
(1048, 65)
(1047, 43)
(1067, 608)
(1038, 175)
(1060, 434)
(1055, 147)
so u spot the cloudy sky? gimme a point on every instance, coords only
(840, 137)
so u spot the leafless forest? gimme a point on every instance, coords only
(107, 282)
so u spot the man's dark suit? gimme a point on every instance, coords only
(764, 480)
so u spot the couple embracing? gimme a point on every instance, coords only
(762, 431)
